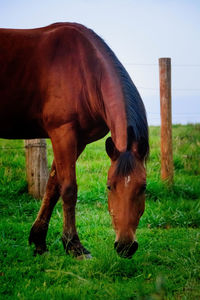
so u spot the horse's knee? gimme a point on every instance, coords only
(69, 191)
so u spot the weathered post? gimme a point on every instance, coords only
(166, 120)
(36, 167)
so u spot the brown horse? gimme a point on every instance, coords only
(64, 83)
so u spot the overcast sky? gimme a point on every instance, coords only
(139, 32)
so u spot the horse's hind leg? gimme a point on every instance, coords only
(39, 229)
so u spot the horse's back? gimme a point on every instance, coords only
(31, 65)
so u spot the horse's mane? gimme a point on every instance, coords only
(135, 110)
(137, 127)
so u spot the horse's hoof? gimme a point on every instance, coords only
(40, 250)
(84, 256)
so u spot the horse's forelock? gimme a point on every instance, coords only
(125, 163)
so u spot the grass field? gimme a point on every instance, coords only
(167, 263)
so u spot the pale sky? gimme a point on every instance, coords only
(139, 32)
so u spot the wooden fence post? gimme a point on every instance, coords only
(166, 120)
(36, 167)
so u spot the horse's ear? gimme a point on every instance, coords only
(111, 150)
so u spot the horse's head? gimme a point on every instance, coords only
(126, 195)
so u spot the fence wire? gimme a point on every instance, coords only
(155, 115)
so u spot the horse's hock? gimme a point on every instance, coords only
(36, 167)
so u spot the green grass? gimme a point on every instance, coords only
(167, 263)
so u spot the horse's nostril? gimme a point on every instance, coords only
(126, 250)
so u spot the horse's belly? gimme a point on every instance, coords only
(21, 130)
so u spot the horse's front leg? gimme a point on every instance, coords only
(66, 151)
(39, 229)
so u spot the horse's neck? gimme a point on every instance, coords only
(115, 110)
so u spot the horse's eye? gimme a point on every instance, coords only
(143, 188)
(109, 187)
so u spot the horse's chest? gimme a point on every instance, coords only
(93, 132)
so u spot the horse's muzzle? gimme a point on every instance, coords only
(126, 250)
